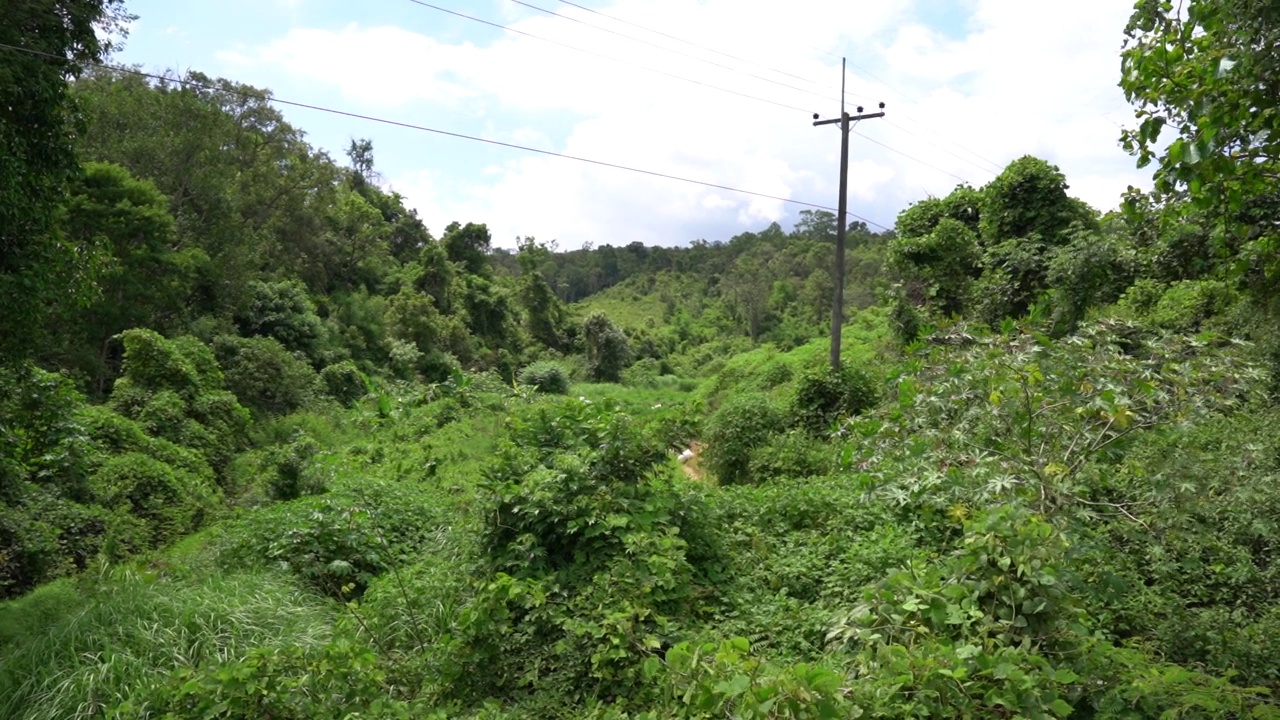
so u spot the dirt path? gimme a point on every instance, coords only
(693, 468)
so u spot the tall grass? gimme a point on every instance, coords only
(74, 648)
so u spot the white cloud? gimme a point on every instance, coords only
(1023, 77)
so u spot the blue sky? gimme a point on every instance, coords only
(969, 85)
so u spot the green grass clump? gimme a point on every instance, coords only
(548, 377)
(75, 648)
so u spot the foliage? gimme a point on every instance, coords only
(548, 377)
(942, 264)
(726, 680)
(608, 352)
(344, 382)
(264, 375)
(1190, 305)
(340, 679)
(1089, 271)
(41, 269)
(337, 542)
(169, 502)
(741, 425)
(586, 562)
(282, 311)
(1022, 416)
(791, 455)
(825, 396)
(295, 472)
(1201, 73)
(77, 648)
(1029, 198)
(143, 280)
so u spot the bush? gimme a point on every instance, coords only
(338, 542)
(825, 396)
(587, 561)
(547, 377)
(266, 377)
(344, 382)
(295, 474)
(741, 425)
(170, 502)
(282, 311)
(1190, 304)
(793, 455)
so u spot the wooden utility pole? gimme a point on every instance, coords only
(846, 123)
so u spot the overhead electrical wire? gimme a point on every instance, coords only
(910, 157)
(671, 50)
(847, 94)
(345, 113)
(781, 72)
(571, 47)
(609, 57)
(984, 169)
(694, 44)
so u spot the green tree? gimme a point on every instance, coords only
(748, 286)
(544, 313)
(1030, 198)
(608, 351)
(469, 246)
(938, 267)
(145, 280)
(1210, 75)
(40, 269)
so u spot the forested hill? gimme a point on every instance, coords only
(272, 448)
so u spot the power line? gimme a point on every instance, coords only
(917, 100)
(693, 44)
(926, 141)
(671, 50)
(863, 70)
(308, 106)
(607, 57)
(910, 157)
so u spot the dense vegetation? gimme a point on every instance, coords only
(271, 448)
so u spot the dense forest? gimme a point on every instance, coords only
(272, 448)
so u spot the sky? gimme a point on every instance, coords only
(719, 91)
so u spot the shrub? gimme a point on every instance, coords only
(266, 377)
(337, 542)
(793, 455)
(169, 501)
(1188, 305)
(175, 390)
(738, 427)
(547, 376)
(824, 396)
(341, 679)
(586, 557)
(282, 311)
(940, 265)
(152, 364)
(344, 382)
(295, 474)
(403, 358)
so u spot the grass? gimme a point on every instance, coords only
(76, 647)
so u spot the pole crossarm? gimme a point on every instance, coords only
(852, 118)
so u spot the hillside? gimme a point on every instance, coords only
(271, 448)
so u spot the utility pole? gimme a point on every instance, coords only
(846, 123)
